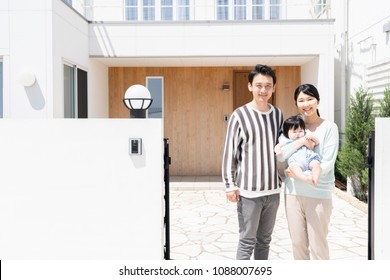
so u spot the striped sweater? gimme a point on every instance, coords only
(249, 162)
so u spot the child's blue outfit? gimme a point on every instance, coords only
(303, 156)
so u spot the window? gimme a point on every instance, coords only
(75, 92)
(320, 7)
(240, 9)
(258, 9)
(1, 88)
(88, 9)
(131, 9)
(156, 87)
(183, 9)
(157, 10)
(166, 9)
(149, 10)
(248, 9)
(222, 9)
(274, 9)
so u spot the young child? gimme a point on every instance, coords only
(303, 159)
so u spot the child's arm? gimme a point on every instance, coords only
(311, 137)
(289, 147)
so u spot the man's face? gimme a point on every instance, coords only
(262, 88)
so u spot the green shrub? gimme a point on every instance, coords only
(353, 153)
(384, 105)
(338, 173)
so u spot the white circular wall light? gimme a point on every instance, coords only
(27, 78)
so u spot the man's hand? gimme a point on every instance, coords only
(278, 150)
(233, 196)
(290, 173)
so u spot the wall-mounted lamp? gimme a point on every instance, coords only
(137, 99)
(386, 27)
(225, 86)
(27, 78)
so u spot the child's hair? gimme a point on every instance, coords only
(293, 122)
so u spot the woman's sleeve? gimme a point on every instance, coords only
(229, 161)
(330, 149)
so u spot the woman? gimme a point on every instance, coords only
(309, 207)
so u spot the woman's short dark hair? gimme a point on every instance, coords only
(263, 70)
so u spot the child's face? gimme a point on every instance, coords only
(296, 133)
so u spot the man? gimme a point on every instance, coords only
(249, 166)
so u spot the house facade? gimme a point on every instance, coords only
(75, 59)
(362, 51)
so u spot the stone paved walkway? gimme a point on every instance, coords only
(204, 224)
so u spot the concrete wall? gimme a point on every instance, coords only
(382, 190)
(70, 190)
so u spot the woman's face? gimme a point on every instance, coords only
(307, 104)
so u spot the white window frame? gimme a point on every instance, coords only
(266, 6)
(74, 94)
(161, 78)
(176, 5)
(152, 8)
(125, 7)
(171, 7)
(237, 5)
(320, 6)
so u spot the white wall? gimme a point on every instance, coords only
(368, 43)
(70, 190)
(98, 97)
(4, 26)
(318, 72)
(71, 45)
(382, 190)
(111, 10)
(360, 43)
(210, 39)
(26, 49)
(38, 37)
(55, 34)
